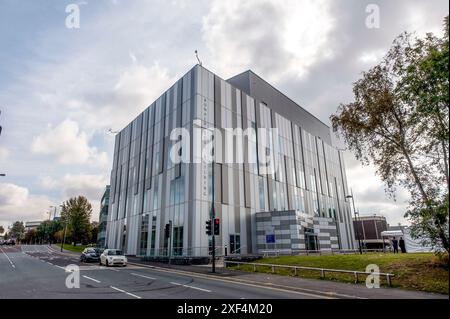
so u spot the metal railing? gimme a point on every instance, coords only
(296, 252)
(200, 251)
(322, 271)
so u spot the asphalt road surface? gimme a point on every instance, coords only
(41, 272)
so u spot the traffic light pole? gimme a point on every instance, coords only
(213, 216)
(170, 240)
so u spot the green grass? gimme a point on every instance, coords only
(418, 271)
(78, 248)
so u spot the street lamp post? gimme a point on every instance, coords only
(356, 219)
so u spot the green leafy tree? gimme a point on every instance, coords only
(17, 230)
(94, 232)
(77, 212)
(398, 121)
(42, 231)
(2, 230)
(30, 236)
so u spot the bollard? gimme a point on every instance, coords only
(356, 277)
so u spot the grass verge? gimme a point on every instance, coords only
(415, 271)
(78, 248)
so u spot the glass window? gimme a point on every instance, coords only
(262, 201)
(177, 241)
(144, 235)
(155, 194)
(153, 237)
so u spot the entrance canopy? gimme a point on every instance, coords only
(391, 233)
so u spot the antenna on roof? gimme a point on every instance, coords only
(198, 59)
(110, 131)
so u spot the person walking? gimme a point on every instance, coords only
(401, 243)
(395, 245)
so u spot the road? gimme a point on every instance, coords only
(40, 272)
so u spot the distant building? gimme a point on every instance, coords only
(368, 229)
(33, 225)
(103, 218)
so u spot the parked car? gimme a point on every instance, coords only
(2, 242)
(112, 257)
(90, 254)
(11, 242)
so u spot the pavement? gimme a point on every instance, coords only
(39, 271)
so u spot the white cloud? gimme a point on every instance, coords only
(90, 186)
(16, 203)
(371, 57)
(135, 88)
(4, 153)
(11, 194)
(48, 182)
(68, 145)
(277, 38)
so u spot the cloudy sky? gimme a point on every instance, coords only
(61, 88)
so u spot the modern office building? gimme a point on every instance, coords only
(103, 218)
(300, 204)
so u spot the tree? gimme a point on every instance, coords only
(17, 230)
(47, 229)
(77, 212)
(30, 236)
(94, 232)
(2, 230)
(58, 236)
(43, 231)
(399, 122)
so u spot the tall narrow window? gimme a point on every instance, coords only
(262, 200)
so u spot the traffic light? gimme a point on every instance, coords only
(208, 228)
(167, 231)
(216, 226)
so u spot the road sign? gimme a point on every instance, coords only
(270, 239)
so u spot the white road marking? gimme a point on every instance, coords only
(112, 269)
(143, 276)
(97, 281)
(7, 257)
(126, 292)
(288, 289)
(189, 286)
(60, 267)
